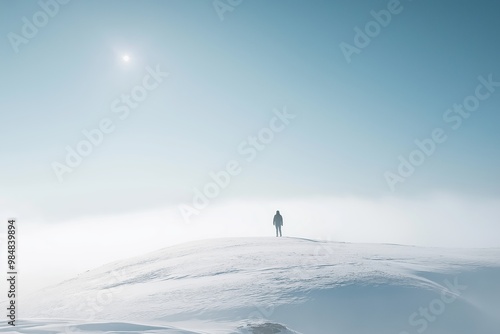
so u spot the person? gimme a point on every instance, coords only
(278, 222)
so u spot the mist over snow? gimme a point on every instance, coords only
(147, 145)
(440, 221)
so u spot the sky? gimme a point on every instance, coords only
(368, 121)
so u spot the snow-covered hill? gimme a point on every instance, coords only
(277, 285)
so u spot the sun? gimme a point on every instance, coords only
(126, 58)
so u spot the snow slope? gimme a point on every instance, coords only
(277, 285)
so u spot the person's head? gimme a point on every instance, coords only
(278, 212)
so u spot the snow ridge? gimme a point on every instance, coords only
(278, 285)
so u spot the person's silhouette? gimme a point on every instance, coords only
(278, 222)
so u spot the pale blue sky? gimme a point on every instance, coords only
(324, 171)
(353, 120)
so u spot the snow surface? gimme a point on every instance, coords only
(277, 285)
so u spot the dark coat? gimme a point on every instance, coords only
(278, 220)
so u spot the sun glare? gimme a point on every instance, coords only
(126, 58)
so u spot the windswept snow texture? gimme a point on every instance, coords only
(277, 285)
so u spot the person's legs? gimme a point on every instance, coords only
(280, 230)
(277, 230)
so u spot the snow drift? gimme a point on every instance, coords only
(277, 285)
